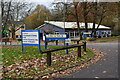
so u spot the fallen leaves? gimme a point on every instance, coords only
(33, 67)
(96, 77)
(104, 72)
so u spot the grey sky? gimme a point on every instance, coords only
(43, 2)
(49, 2)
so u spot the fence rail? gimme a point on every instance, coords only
(49, 51)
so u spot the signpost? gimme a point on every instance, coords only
(68, 40)
(55, 36)
(85, 34)
(30, 37)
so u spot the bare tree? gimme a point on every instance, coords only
(77, 18)
(99, 13)
(14, 12)
(0, 22)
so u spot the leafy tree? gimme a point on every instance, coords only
(37, 17)
(97, 13)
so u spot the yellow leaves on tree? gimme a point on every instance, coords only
(37, 17)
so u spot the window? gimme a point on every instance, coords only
(109, 32)
(16, 36)
(102, 32)
(97, 33)
(71, 34)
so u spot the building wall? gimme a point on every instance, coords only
(18, 32)
(100, 33)
(74, 32)
(51, 28)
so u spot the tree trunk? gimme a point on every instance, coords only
(13, 35)
(13, 32)
(85, 17)
(94, 20)
(77, 21)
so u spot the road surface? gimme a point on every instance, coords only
(106, 67)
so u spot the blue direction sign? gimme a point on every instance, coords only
(30, 37)
(56, 36)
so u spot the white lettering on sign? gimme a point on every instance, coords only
(30, 38)
(56, 36)
(86, 33)
(67, 40)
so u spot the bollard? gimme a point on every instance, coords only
(49, 59)
(79, 51)
(84, 46)
(56, 42)
(77, 42)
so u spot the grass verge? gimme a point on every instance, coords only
(31, 63)
(106, 39)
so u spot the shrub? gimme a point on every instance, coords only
(92, 39)
(19, 39)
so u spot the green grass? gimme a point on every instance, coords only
(107, 39)
(15, 55)
(1, 55)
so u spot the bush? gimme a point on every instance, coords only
(19, 39)
(99, 36)
(92, 39)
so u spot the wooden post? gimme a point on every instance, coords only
(5, 43)
(85, 46)
(49, 58)
(46, 42)
(56, 42)
(79, 51)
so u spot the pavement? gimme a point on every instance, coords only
(106, 67)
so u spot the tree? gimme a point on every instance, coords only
(77, 18)
(58, 11)
(96, 13)
(37, 17)
(0, 23)
(12, 13)
(103, 11)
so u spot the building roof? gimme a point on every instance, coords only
(74, 25)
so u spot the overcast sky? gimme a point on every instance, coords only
(43, 2)
(48, 3)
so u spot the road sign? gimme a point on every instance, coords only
(68, 40)
(86, 32)
(31, 37)
(56, 36)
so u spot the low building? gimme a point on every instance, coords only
(17, 31)
(71, 28)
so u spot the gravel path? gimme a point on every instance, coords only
(107, 67)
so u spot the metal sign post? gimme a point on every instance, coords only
(45, 42)
(67, 41)
(30, 37)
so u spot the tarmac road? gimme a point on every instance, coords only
(107, 67)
